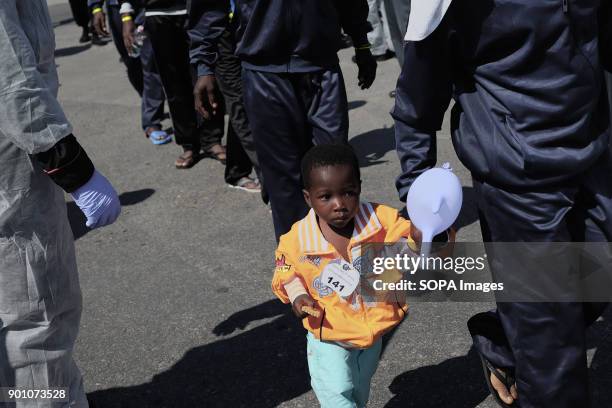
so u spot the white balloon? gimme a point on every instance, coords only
(434, 202)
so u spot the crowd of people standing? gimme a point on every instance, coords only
(259, 157)
(167, 38)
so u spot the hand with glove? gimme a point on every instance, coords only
(68, 165)
(367, 66)
(98, 200)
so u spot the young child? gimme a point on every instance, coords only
(344, 341)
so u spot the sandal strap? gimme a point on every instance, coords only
(502, 375)
(217, 148)
(218, 151)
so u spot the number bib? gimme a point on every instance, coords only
(341, 277)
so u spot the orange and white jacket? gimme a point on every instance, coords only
(303, 252)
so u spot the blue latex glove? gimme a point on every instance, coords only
(98, 200)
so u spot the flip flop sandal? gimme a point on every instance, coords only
(502, 375)
(160, 137)
(216, 155)
(242, 185)
(185, 160)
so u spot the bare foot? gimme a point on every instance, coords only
(507, 396)
(217, 152)
(185, 160)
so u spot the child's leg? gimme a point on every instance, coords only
(367, 362)
(331, 373)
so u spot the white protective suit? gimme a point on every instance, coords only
(40, 297)
(425, 16)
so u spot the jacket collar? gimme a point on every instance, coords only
(312, 240)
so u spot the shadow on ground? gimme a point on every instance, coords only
(459, 381)
(456, 382)
(266, 365)
(371, 146)
(356, 104)
(77, 219)
(258, 368)
(68, 51)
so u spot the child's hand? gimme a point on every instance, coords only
(441, 240)
(416, 236)
(301, 301)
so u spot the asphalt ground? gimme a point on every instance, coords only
(178, 310)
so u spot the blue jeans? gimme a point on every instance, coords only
(341, 377)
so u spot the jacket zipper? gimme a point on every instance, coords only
(565, 6)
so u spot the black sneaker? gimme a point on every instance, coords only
(346, 41)
(97, 40)
(384, 57)
(85, 37)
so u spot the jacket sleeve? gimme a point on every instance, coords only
(207, 21)
(354, 20)
(92, 4)
(605, 35)
(423, 93)
(67, 164)
(396, 226)
(30, 115)
(399, 228)
(284, 270)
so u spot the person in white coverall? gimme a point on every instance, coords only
(40, 297)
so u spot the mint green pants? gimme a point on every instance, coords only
(341, 377)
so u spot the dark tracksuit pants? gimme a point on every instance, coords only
(241, 155)
(142, 73)
(171, 50)
(80, 12)
(544, 342)
(289, 112)
(398, 12)
(511, 128)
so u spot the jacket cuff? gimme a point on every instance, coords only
(67, 164)
(94, 5)
(204, 69)
(360, 40)
(294, 288)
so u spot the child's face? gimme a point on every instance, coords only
(334, 194)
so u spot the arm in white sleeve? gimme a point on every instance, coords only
(30, 115)
(126, 8)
